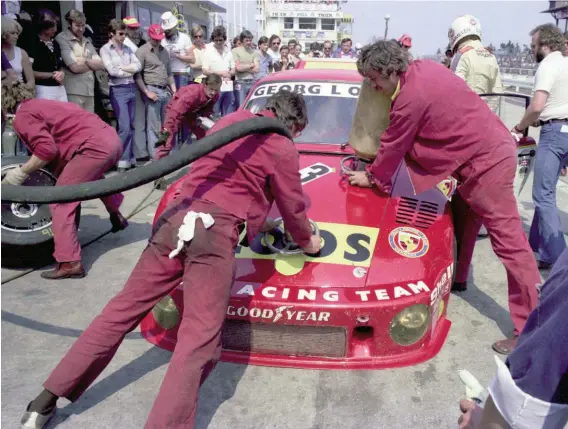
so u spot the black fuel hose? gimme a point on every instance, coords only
(140, 176)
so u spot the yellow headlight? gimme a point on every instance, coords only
(410, 325)
(166, 313)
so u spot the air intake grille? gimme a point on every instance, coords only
(416, 213)
(284, 339)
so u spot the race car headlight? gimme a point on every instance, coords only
(410, 325)
(166, 313)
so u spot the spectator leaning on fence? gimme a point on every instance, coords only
(218, 60)
(121, 64)
(549, 106)
(80, 59)
(156, 82)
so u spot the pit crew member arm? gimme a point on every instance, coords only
(286, 187)
(182, 103)
(406, 119)
(35, 135)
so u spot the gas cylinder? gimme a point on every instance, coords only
(370, 121)
(9, 138)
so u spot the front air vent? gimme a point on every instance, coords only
(416, 213)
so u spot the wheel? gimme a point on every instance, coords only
(27, 237)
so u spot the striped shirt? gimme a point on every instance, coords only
(113, 61)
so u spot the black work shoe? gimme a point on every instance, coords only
(459, 287)
(35, 420)
(506, 346)
(118, 222)
(65, 270)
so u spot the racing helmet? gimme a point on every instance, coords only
(463, 26)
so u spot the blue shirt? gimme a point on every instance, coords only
(264, 65)
(539, 363)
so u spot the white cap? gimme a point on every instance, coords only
(169, 21)
(358, 45)
(463, 26)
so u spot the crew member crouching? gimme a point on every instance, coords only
(80, 148)
(188, 104)
(193, 242)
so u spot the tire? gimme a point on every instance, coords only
(27, 238)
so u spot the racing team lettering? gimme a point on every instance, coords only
(245, 290)
(314, 172)
(318, 89)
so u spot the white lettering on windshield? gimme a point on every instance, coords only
(318, 89)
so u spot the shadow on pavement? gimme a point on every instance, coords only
(51, 329)
(486, 305)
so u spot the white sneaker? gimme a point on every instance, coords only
(35, 420)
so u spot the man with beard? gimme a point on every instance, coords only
(549, 109)
(460, 136)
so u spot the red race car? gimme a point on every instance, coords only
(376, 296)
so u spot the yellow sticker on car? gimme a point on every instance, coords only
(351, 245)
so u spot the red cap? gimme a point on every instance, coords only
(131, 22)
(405, 40)
(155, 32)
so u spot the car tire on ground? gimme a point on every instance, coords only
(27, 237)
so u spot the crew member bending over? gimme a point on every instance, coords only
(79, 147)
(188, 104)
(193, 242)
(460, 136)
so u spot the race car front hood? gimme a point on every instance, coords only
(348, 219)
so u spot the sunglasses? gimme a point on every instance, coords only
(199, 36)
(121, 33)
(276, 43)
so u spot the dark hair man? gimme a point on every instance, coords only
(81, 148)
(246, 64)
(236, 183)
(460, 136)
(188, 103)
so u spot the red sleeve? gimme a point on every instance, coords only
(35, 135)
(406, 118)
(184, 101)
(286, 187)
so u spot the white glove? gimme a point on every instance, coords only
(15, 176)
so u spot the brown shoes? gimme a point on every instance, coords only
(118, 222)
(506, 346)
(65, 270)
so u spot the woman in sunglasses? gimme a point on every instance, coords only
(274, 48)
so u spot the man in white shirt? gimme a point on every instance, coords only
(178, 46)
(218, 59)
(549, 107)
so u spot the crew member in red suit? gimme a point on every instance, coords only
(442, 135)
(79, 147)
(188, 104)
(194, 241)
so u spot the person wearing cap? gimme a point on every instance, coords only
(442, 128)
(188, 104)
(134, 41)
(178, 46)
(156, 82)
(133, 38)
(405, 41)
(345, 51)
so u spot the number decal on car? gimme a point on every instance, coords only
(313, 172)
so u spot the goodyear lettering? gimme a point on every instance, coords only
(318, 89)
(284, 313)
(323, 294)
(351, 245)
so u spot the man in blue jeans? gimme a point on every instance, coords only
(246, 64)
(549, 107)
(121, 65)
(156, 82)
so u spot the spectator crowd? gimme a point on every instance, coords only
(131, 79)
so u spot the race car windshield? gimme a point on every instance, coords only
(331, 107)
